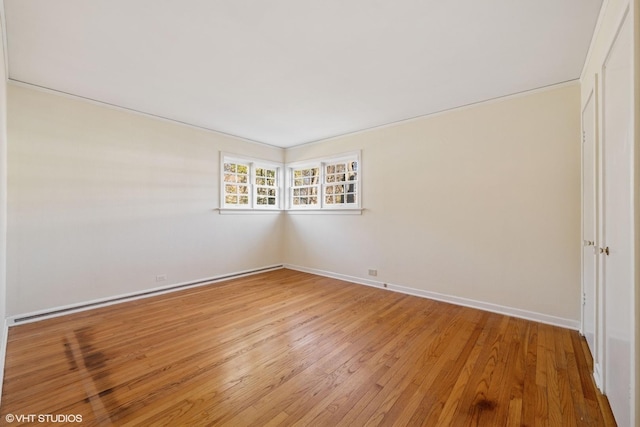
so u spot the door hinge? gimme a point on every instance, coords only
(584, 298)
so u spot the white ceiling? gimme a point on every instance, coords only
(286, 72)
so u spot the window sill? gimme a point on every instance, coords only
(350, 211)
(234, 211)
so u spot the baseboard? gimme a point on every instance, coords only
(117, 299)
(597, 376)
(333, 275)
(466, 302)
(3, 353)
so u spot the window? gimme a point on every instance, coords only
(266, 185)
(306, 186)
(328, 183)
(340, 183)
(236, 184)
(250, 184)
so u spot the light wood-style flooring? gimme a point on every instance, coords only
(290, 348)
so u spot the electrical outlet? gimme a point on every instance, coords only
(384, 285)
(161, 277)
(373, 272)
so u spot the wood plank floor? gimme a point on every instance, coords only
(289, 348)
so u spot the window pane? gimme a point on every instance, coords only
(338, 186)
(243, 178)
(244, 200)
(243, 189)
(243, 169)
(271, 173)
(231, 199)
(229, 177)
(229, 167)
(271, 182)
(272, 200)
(230, 189)
(260, 181)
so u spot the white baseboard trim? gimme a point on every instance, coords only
(3, 352)
(597, 377)
(466, 302)
(52, 312)
(333, 275)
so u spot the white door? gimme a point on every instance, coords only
(616, 229)
(589, 254)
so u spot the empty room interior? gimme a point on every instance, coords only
(320, 213)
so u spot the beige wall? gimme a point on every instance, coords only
(481, 203)
(101, 201)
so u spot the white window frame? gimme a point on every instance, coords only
(322, 206)
(253, 164)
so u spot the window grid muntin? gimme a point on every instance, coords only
(236, 183)
(246, 191)
(266, 186)
(305, 186)
(331, 179)
(340, 184)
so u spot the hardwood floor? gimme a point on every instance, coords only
(289, 348)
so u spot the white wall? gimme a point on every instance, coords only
(620, 370)
(3, 206)
(636, 384)
(101, 201)
(480, 203)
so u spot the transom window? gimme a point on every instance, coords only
(250, 184)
